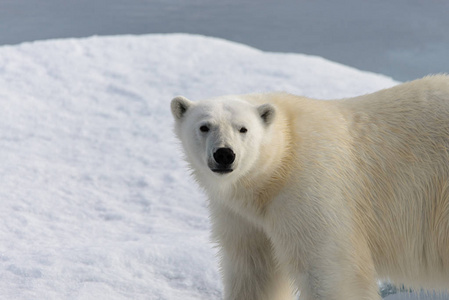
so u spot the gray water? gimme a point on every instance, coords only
(404, 39)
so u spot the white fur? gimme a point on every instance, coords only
(326, 196)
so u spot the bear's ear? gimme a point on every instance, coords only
(267, 113)
(179, 106)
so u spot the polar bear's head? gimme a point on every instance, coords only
(222, 137)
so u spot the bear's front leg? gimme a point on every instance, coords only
(329, 258)
(248, 267)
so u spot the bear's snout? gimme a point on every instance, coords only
(224, 157)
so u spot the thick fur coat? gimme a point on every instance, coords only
(324, 196)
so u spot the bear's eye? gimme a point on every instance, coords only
(243, 130)
(204, 128)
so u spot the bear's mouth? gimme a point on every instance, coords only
(222, 170)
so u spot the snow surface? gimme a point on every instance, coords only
(96, 202)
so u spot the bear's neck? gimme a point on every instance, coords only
(274, 170)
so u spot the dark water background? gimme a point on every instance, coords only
(404, 39)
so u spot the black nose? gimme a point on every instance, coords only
(224, 156)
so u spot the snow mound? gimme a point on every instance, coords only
(96, 201)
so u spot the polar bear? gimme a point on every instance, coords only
(324, 196)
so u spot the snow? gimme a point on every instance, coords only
(96, 200)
